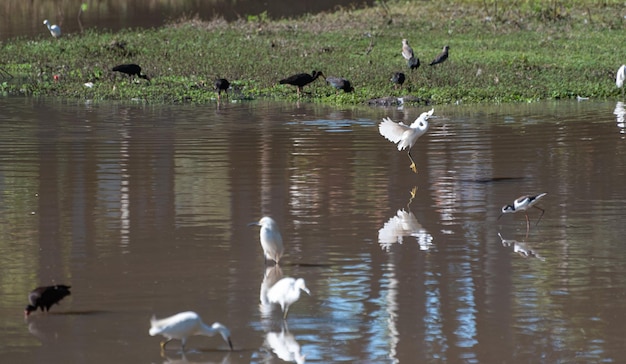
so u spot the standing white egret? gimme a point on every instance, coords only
(271, 240)
(54, 29)
(405, 135)
(286, 291)
(621, 76)
(523, 203)
(183, 325)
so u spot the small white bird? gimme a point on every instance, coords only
(407, 51)
(54, 29)
(523, 203)
(271, 240)
(405, 135)
(183, 325)
(620, 76)
(286, 291)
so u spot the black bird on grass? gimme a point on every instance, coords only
(301, 79)
(45, 297)
(398, 78)
(131, 70)
(221, 84)
(340, 84)
(413, 63)
(441, 57)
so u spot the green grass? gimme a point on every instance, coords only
(523, 51)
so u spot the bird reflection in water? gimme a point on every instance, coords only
(620, 114)
(225, 359)
(521, 248)
(272, 275)
(284, 345)
(404, 223)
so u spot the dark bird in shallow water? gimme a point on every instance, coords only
(45, 297)
(301, 79)
(398, 78)
(441, 57)
(131, 70)
(221, 84)
(340, 84)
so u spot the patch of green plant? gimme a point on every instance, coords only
(499, 52)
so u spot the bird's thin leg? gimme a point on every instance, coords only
(540, 216)
(527, 222)
(163, 343)
(413, 167)
(285, 314)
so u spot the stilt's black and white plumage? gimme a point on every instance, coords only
(523, 203)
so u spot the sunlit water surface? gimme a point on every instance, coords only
(144, 209)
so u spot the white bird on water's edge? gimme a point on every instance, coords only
(54, 29)
(286, 291)
(183, 325)
(405, 135)
(271, 240)
(620, 76)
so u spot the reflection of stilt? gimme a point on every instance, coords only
(521, 248)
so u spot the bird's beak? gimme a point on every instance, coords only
(256, 223)
(230, 344)
(307, 291)
(500, 216)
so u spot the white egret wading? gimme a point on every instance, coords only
(285, 292)
(405, 135)
(54, 29)
(271, 240)
(185, 324)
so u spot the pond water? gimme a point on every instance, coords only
(143, 210)
(25, 18)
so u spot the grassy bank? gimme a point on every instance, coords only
(526, 51)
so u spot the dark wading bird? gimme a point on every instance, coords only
(45, 297)
(221, 84)
(340, 84)
(131, 70)
(398, 78)
(301, 79)
(441, 57)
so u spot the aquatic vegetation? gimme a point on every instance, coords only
(527, 52)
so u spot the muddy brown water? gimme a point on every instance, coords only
(144, 209)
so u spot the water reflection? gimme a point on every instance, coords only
(272, 275)
(284, 345)
(521, 247)
(197, 359)
(404, 223)
(620, 114)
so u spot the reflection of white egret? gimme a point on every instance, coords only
(521, 248)
(523, 203)
(185, 324)
(620, 113)
(271, 240)
(184, 360)
(405, 135)
(54, 29)
(286, 291)
(272, 275)
(285, 346)
(403, 224)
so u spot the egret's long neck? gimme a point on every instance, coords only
(206, 330)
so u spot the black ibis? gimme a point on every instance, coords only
(131, 70)
(398, 78)
(413, 62)
(45, 297)
(221, 84)
(301, 79)
(340, 84)
(441, 57)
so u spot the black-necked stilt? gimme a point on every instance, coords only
(405, 135)
(523, 204)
